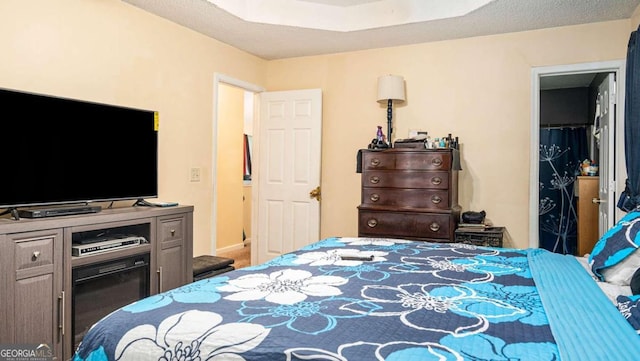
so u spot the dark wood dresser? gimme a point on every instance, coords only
(409, 193)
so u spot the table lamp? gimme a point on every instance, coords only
(390, 88)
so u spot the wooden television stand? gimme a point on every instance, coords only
(36, 266)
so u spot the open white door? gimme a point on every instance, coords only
(289, 170)
(606, 130)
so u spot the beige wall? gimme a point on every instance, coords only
(229, 191)
(109, 51)
(635, 19)
(478, 89)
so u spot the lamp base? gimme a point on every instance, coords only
(389, 128)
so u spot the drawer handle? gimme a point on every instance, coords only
(372, 223)
(375, 180)
(159, 271)
(436, 180)
(35, 256)
(173, 232)
(375, 162)
(436, 199)
(436, 161)
(434, 227)
(375, 197)
(61, 313)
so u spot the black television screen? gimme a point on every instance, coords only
(63, 151)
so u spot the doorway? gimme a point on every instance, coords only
(289, 161)
(234, 113)
(568, 81)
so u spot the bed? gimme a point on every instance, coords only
(380, 299)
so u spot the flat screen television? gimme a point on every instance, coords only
(60, 151)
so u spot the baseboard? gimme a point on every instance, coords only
(230, 248)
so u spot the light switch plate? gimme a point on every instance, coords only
(195, 175)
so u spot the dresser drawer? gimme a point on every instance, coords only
(410, 198)
(34, 252)
(419, 160)
(404, 224)
(405, 179)
(171, 229)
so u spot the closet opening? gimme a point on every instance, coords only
(567, 107)
(574, 122)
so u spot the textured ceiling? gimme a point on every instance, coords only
(277, 41)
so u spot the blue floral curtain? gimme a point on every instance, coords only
(561, 152)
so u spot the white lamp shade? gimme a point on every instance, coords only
(391, 87)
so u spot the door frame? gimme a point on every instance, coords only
(228, 80)
(614, 66)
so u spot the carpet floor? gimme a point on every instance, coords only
(241, 257)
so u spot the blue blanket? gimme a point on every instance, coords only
(410, 301)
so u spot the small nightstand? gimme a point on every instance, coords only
(487, 236)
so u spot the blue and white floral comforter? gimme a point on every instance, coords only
(412, 301)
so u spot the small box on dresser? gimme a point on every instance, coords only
(409, 193)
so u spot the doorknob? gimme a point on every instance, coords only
(597, 200)
(316, 194)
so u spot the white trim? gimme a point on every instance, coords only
(217, 79)
(221, 78)
(233, 247)
(615, 66)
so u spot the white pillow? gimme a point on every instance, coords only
(610, 290)
(621, 273)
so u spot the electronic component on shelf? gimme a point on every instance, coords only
(108, 244)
